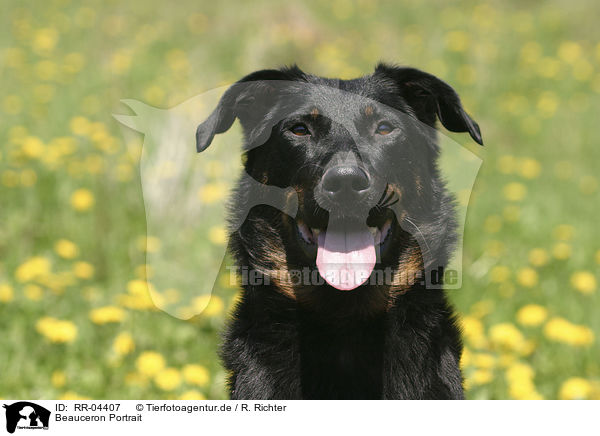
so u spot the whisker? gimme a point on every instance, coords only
(418, 230)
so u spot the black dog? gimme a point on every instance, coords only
(343, 310)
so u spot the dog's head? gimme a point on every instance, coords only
(361, 154)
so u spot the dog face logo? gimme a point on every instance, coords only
(26, 415)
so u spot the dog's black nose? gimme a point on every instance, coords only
(345, 183)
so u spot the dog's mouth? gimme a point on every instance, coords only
(346, 250)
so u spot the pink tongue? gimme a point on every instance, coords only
(346, 256)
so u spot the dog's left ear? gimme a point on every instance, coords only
(429, 96)
(247, 100)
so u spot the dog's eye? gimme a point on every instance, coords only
(300, 130)
(384, 128)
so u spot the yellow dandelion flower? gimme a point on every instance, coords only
(149, 244)
(107, 314)
(209, 305)
(80, 126)
(82, 200)
(527, 277)
(514, 191)
(58, 379)
(192, 395)
(33, 147)
(538, 257)
(217, 235)
(66, 249)
(83, 270)
(519, 372)
(480, 377)
(520, 382)
(168, 379)
(196, 375)
(121, 61)
(33, 292)
(32, 269)
(465, 358)
(547, 104)
(584, 282)
(154, 95)
(7, 293)
(472, 329)
(563, 232)
(123, 344)
(484, 360)
(44, 40)
(575, 388)
(524, 391)
(150, 363)
(560, 330)
(561, 251)
(141, 295)
(532, 315)
(212, 192)
(506, 336)
(569, 51)
(56, 330)
(73, 396)
(530, 168)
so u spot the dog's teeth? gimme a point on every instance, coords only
(373, 230)
(315, 232)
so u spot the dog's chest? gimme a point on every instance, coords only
(342, 363)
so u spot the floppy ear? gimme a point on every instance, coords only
(243, 100)
(430, 96)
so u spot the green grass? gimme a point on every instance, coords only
(528, 73)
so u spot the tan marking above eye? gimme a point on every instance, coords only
(369, 111)
(314, 113)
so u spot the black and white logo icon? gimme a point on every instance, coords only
(26, 415)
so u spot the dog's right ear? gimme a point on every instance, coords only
(243, 100)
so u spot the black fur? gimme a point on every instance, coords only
(314, 341)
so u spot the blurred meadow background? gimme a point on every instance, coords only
(76, 318)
